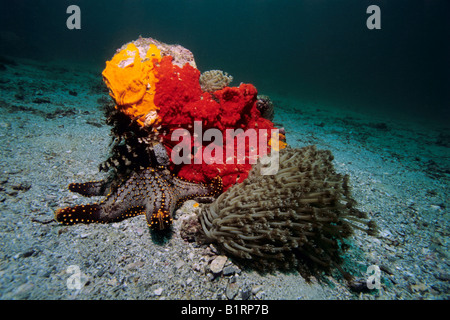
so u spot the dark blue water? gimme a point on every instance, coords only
(315, 50)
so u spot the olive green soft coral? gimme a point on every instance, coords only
(295, 218)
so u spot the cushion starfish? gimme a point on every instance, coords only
(153, 191)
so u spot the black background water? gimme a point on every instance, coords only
(319, 51)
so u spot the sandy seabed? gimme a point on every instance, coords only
(53, 132)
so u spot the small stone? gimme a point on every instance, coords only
(189, 281)
(134, 266)
(112, 269)
(196, 267)
(12, 193)
(113, 282)
(217, 264)
(359, 285)
(443, 276)
(85, 235)
(257, 289)
(213, 249)
(229, 270)
(28, 253)
(101, 272)
(158, 291)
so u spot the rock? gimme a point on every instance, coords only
(232, 290)
(134, 266)
(85, 235)
(12, 193)
(180, 55)
(28, 253)
(112, 269)
(246, 294)
(101, 272)
(189, 227)
(41, 100)
(257, 289)
(22, 186)
(42, 220)
(23, 291)
(217, 264)
(139, 231)
(443, 276)
(3, 179)
(113, 282)
(179, 264)
(420, 287)
(229, 271)
(358, 285)
(158, 291)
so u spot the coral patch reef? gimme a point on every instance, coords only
(214, 80)
(297, 218)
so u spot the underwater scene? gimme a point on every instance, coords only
(224, 150)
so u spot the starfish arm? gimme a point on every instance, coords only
(93, 213)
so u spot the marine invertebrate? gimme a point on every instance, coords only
(265, 107)
(296, 218)
(214, 80)
(153, 191)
